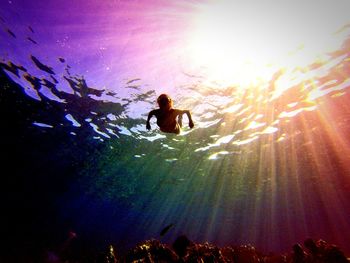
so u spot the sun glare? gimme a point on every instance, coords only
(236, 43)
(222, 48)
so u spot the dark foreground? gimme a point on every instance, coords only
(184, 250)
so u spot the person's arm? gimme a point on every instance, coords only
(190, 121)
(150, 114)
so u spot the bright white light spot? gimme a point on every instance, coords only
(124, 130)
(216, 155)
(96, 129)
(241, 142)
(171, 160)
(254, 125)
(72, 120)
(269, 130)
(111, 117)
(233, 108)
(42, 125)
(225, 139)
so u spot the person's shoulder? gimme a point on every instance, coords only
(178, 111)
(154, 112)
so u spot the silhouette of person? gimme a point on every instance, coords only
(168, 119)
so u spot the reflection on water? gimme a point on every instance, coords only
(267, 164)
(241, 116)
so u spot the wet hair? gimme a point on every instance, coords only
(164, 100)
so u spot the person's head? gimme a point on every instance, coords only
(165, 102)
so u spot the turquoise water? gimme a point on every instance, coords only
(266, 163)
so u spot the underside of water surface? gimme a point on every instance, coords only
(266, 163)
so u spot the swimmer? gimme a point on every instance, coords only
(166, 116)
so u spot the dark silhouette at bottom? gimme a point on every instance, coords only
(184, 250)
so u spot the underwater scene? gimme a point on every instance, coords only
(266, 165)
